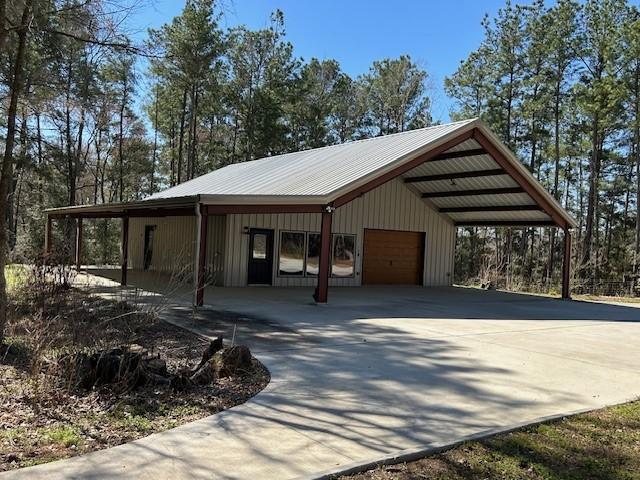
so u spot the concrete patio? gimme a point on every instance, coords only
(376, 371)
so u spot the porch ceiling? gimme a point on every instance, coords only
(467, 185)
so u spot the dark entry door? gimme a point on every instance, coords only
(149, 231)
(260, 257)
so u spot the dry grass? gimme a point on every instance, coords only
(43, 417)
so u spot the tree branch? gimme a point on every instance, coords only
(126, 47)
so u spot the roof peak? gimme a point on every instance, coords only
(369, 139)
(360, 140)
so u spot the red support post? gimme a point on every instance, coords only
(202, 255)
(125, 249)
(79, 242)
(321, 293)
(566, 266)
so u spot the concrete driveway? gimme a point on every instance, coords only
(383, 370)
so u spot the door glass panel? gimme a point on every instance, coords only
(343, 258)
(148, 245)
(313, 254)
(259, 246)
(292, 253)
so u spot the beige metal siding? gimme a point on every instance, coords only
(391, 206)
(215, 248)
(174, 245)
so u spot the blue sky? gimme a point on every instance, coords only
(437, 34)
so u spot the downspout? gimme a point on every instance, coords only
(197, 252)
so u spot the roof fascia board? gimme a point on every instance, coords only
(263, 200)
(218, 209)
(176, 202)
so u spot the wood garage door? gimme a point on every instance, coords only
(392, 258)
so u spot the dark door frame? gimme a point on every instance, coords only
(267, 263)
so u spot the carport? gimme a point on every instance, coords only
(427, 181)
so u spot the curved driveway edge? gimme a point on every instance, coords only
(411, 455)
(382, 371)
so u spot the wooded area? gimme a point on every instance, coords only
(561, 86)
(90, 114)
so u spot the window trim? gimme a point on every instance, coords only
(355, 254)
(304, 255)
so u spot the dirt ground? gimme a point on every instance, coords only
(41, 419)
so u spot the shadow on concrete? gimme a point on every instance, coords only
(353, 379)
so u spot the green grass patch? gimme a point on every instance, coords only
(63, 435)
(600, 445)
(16, 276)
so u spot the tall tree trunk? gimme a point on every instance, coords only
(556, 170)
(7, 161)
(183, 115)
(98, 149)
(194, 136)
(594, 174)
(13, 199)
(123, 106)
(71, 179)
(40, 161)
(3, 24)
(17, 197)
(636, 158)
(155, 145)
(172, 146)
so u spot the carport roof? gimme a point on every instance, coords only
(475, 181)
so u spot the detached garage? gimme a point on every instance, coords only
(381, 211)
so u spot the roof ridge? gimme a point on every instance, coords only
(362, 140)
(469, 120)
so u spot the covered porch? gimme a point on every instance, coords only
(466, 176)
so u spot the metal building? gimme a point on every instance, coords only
(376, 211)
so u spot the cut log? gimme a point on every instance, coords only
(232, 361)
(227, 362)
(214, 346)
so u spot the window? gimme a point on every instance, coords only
(300, 254)
(292, 247)
(259, 246)
(313, 254)
(343, 258)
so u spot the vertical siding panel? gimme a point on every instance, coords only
(452, 255)
(439, 258)
(431, 244)
(409, 211)
(232, 241)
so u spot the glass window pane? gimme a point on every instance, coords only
(343, 259)
(259, 246)
(313, 254)
(292, 253)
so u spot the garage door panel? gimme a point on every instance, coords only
(393, 257)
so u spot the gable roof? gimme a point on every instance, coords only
(317, 173)
(322, 175)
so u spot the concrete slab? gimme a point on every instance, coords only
(376, 371)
